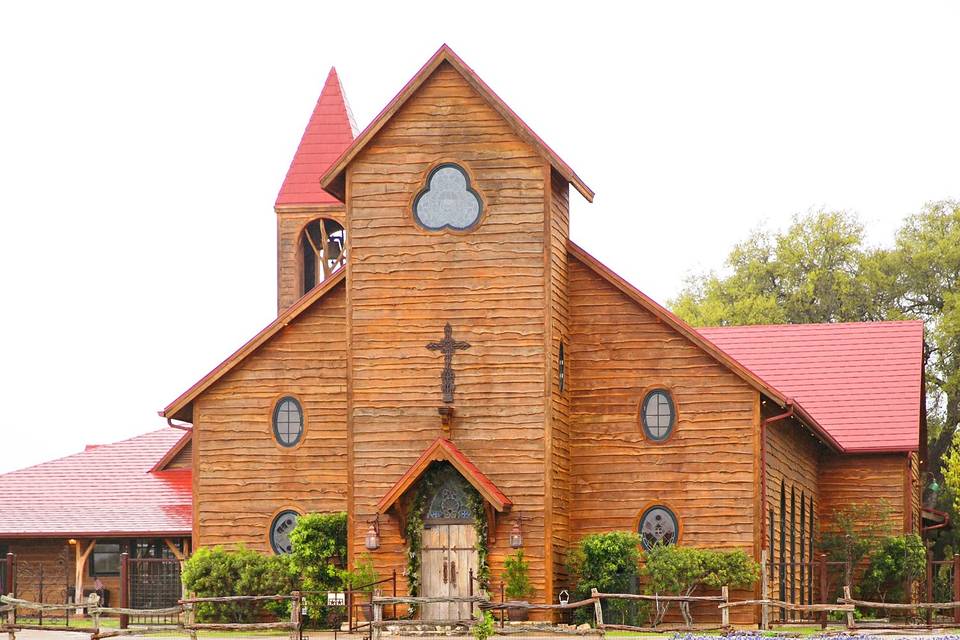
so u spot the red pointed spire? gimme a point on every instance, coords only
(329, 132)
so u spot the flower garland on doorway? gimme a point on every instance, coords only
(428, 485)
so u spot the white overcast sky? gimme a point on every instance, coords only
(142, 145)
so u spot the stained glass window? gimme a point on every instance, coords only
(447, 201)
(658, 415)
(280, 530)
(450, 502)
(658, 525)
(288, 422)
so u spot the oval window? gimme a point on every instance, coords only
(658, 415)
(280, 530)
(658, 525)
(288, 422)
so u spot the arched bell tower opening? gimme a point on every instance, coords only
(323, 250)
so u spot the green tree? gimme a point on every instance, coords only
(820, 270)
(898, 561)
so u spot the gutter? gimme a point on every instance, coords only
(933, 527)
(182, 427)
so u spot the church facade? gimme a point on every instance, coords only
(462, 379)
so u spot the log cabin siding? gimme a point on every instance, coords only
(915, 487)
(874, 480)
(183, 459)
(559, 509)
(705, 472)
(793, 462)
(243, 477)
(405, 283)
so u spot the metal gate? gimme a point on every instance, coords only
(154, 583)
(46, 581)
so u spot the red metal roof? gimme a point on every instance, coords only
(105, 490)
(861, 381)
(329, 132)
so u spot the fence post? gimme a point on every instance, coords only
(847, 596)
(11, 615)
(94, 601)
(124, 588)
(295, 618)
(395, 593)
(190, 619)
(823, 589)
(929, 585)
(375, 629)
(764, 592)
(956, 586)
(597, 608)
(725, 611)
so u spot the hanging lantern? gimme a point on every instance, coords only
(372, 541)
(516, 535)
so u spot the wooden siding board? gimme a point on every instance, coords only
(490, 283)
(242, 476)
(705, 472)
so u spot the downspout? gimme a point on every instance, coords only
(942, 525)
(764, 544)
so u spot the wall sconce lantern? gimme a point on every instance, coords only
(372, 541)
(516, 535)
(72, 542)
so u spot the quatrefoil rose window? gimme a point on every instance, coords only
(447, 201)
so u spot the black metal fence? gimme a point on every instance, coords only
(153, 583)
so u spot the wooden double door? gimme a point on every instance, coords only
(449, 558)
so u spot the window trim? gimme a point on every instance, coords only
(122, 546)
(641, 417)
(664, 505)
(273, 520)
(471, 186)
(274, 431)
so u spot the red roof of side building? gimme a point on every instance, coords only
(329, 132)
(105, 490)
(861, 381)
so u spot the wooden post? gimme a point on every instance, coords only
(597, 608)
(295, 616)
(94, 602)
(8, 587)
(80, 561)
(503, 612)
(190, 619)
(956, 586)
(823, 589)
(847, 596)
(395, 592)
(12, 614)
(124, 588)
(764, 592)
(929, 585)
(375, 630)
(725, 611)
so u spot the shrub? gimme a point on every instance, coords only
(219, 572)
(484, 627)
(897, 560)
(854, 534)
(362, 576)
(517, 578)
(319, 545)
(676, 570)
(607, 562)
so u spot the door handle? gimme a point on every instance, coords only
(444, 572)
(453, 571)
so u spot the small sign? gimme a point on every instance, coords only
(564, 597)
(336, 599)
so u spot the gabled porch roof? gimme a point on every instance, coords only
(444, 450)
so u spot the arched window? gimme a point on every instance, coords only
(280, 529)
(658, 415)
(449, 503)
(323, 245)
(658, 525)
(288, 422)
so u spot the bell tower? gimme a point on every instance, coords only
(311, 236)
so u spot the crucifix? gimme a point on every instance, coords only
(447, 346)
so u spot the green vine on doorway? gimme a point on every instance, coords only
(425, 489)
